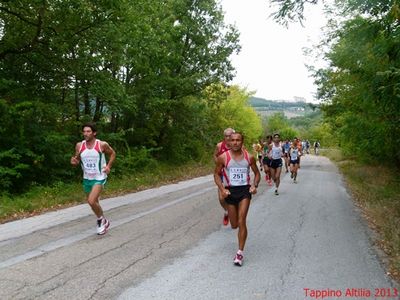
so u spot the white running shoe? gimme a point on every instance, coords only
(238, 260)
(102, 226)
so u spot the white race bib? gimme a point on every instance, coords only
(238, 176)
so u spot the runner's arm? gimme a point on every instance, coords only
(75, 160)
(269, 151)
(217, 175)
(257, 175)
(106, 148)
(216, 151)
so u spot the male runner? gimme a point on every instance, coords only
(316, 147)
(300, 147)
(285, 148)
(90, 154)
(221, 148)
(258, 149)
(235, 165)
(294, 154)
(276, 154)
(266, 160)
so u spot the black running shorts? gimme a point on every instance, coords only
(276, 163)
(266, 161)
(294, 162)
(238, 193)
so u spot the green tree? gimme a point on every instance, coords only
(139, 69)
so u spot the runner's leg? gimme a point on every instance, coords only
(278, 177)
(93, 200)
(242, 211)
(233, 215)
(273, 173)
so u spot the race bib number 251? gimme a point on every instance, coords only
(238, 176)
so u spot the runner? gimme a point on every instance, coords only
(266, 160)
(90, 154)
(285, 148)
(294, 154)
(276, 154)
(258, 149)
(308, 146)
(299, 146)
(221, 148)
(316, 147)
(235, 165)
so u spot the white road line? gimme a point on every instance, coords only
(80, 236)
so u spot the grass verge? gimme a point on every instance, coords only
(42, 199)
(376, 189)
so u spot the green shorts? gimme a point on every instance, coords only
(88, 184)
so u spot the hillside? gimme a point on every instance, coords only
(291, 109)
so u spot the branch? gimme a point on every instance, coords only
(22, 18)
(29, 46)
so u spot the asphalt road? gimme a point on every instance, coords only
(168, 243)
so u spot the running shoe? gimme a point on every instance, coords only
(238, 260)
(276, 192)
(102, 226)
(291, 175)
(225, 220)
(294, 180)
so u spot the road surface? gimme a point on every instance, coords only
(168, 243)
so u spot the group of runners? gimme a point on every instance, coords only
(270, 154)
(231, 175)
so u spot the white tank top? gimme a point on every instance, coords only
(237, 173)
(92, 161)
(294, 154)
(276, 151)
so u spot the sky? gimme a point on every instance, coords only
(271, 61)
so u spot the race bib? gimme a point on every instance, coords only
(90, 166)
(238, 176)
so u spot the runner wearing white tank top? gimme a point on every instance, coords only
(237, 189)
(90, 153)
(276, 154)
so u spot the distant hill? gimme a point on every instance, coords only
(290, 109)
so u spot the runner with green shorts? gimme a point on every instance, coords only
(90, 153)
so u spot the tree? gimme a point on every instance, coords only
(139, 69)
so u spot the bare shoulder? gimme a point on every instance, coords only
(104, 145)
(251, 157)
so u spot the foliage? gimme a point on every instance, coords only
(236, 112)
(278, 123)
(360, 88)
(139, 69)
(290, 10)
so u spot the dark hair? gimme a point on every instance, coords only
(268, 137)
(91, 125)
(277, 135)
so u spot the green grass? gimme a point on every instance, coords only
(376, 189)
(41, 199)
